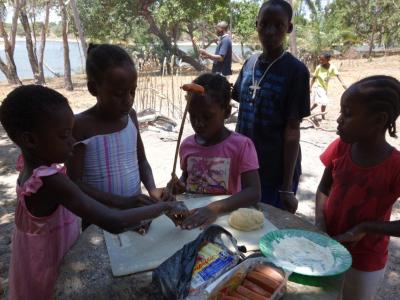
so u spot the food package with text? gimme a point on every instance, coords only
(254, 278)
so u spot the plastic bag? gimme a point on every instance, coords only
(172, 279)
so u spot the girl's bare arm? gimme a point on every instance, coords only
(323, 191)
(68, 194)
(249, 195)
(146, 173)
(75, 172)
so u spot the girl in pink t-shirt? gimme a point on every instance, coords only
(361, 182)
(39, 120)
(216, 160)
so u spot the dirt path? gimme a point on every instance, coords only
(160, 149)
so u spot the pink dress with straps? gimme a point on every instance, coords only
(39, 243)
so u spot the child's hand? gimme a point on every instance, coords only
(203, 52)
(289, 201)
(143, 228)
(177, 212)
(176, 186)
(354, 235)
(161, 194)
(321, 225)
(199, 217)
(143, 200)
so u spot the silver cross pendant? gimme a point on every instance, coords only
(255, 87)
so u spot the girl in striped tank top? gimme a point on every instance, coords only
(109, 161)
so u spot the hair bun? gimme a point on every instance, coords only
(91, 47)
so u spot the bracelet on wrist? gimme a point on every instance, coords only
(286, 192)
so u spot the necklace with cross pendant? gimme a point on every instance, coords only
(255, 87)
(256, 84)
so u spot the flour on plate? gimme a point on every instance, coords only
(301, 255)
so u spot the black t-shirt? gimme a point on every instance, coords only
(224, 49)
(284, 95)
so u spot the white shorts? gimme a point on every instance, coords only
(359, 285)
(319, 96)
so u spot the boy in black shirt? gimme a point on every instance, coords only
(274, 95)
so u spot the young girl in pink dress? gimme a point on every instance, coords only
(39, 120)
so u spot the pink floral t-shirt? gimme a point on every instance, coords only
(217, 169)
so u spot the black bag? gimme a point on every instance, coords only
(171, 280)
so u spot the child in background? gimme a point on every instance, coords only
(109, 160)
(322, 74)
(216, 160)
(39, 120)
(274, 96)
(361, 182)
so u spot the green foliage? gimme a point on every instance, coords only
(345, 23)
(319, 27)
(121, 21)
(244, 20)
(364, 17)
(177, 16)
(106, 20)
(311, 34)
(117, 22)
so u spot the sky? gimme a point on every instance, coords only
(54, 17)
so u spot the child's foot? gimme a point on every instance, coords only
(315, 122)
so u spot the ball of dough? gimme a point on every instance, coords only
(246, 219)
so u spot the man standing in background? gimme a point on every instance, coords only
(222, 59)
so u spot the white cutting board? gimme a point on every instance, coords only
(131, 252)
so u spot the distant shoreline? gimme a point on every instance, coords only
(49, 39)
(70, 40)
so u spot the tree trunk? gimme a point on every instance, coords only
(79, 26)
(9, 69)
(293, 41)
(242, 49)
(166, 41)
(293, 37)
(372, 38)
(195, 45)
(43, 41)
(14, 23)
(29, 43)
(67, 66)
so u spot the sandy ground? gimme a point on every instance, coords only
(160, 148)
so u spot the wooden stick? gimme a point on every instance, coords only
(178, 143)
(193, 88)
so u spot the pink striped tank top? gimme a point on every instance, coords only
(111, 163)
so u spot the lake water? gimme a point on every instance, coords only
(54, 58)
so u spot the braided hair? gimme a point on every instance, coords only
(216, 87)
(381, 93)
(28, 107)
(102, 57)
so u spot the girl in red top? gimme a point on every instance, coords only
(361, 182)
